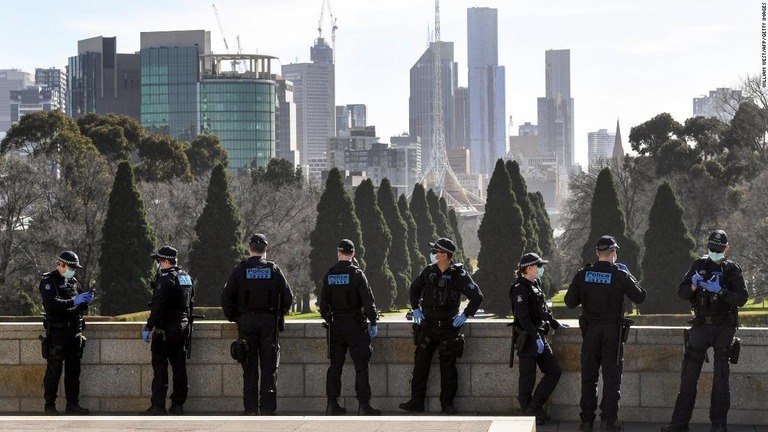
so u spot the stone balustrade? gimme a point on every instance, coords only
(117, 374)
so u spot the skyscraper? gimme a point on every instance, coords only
(721, 104)
(101, 81)
(286, 122)
(315, 95)
(487, 112)
(54, 80)
(350, 116)
(421, 97)
(170, 63)
(556, 108)
(10, 80)
(600, 145)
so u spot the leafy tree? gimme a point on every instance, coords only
(132, 130)
(110, 141)
(336, 220)
(125, 263)
(219, 244)
(453, 222)
(675, 156)
(520, 189)
(280, 172)
(204, 152)
(38, 133)
(399, 257)
(545, 234)
(672, 245)
(163, 158)
(416, 256)
(607, 218)
(501, 242)
(647, 138)
(442, 224)
(706, 133)
(378, 239)
(426, 231)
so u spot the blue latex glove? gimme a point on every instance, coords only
(696, 279)
(459, 320)
(564, 325)
(83, 298)
(373, 331)
(712, 285)
(145, 335)
(622, 267)
(539, 345)
(418, 316)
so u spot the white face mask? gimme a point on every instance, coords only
(716, 256)
(69, 273)
(540, 272)
(432, 258)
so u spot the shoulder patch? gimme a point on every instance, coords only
(48, 286)
(598, 277)
(184, 279)
(519, 298)
(338, 279)
(258, 273)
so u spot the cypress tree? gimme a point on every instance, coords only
(426, 231)
(378, 238)
(399, 258)
(414, 252)
(453, 222)
(128, 242)
(219, 244)
(607, 218)
(442, 224)
(521, 195)
(336, 220)
(672, 248)
(545, 235)
(501, 242)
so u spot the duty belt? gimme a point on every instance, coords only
(438, 322)
(716, 320)
(64, 325)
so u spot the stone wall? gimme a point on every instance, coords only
(116, 372)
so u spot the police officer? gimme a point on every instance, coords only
(64, 304)
(347, 306)
(257, 297)
(715, 287)
(533, 319)
(600, 289)
(435, 298)
(172, 296)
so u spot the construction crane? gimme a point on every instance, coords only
(327, 5)
(224, 37)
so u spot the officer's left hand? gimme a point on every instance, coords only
(459, 320)
(564, 325)
(373, 331)
(539, 345)
(712, 285)
(145, 335)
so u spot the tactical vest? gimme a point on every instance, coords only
(707, 304)
(537, 305)
(257, 288)
(440, 293)
(342, 295)
(64, 290)
(178, 298)
(599, 296)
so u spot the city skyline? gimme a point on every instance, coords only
(627, 61)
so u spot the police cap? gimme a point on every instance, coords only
(258, 240)
(530, 259)
(606, 242)
(444, 244)
(70, 259)
(166, 252)
(346, 246)
(717, 241)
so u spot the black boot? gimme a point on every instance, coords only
(448, 408)
(718, 427)
(76, 409)
(176, 410)
(50, 409)
(539, 413)
(672, 427)
(413, 406)
(612, 425)
(586, 426)
(334, 408)
(365, 409)
(155, 410)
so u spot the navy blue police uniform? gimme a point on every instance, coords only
(534, 318)
(256, 297)
(172, 295)
(600, 289)
(348, 306)
(714, 325)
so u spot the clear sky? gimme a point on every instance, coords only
(629, 60)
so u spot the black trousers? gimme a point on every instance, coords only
(599, 350)
(260, 331)
(348, 335)
(703, 336)
(549, 366)
(67, 345)
(435, 337)
(169, 349)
